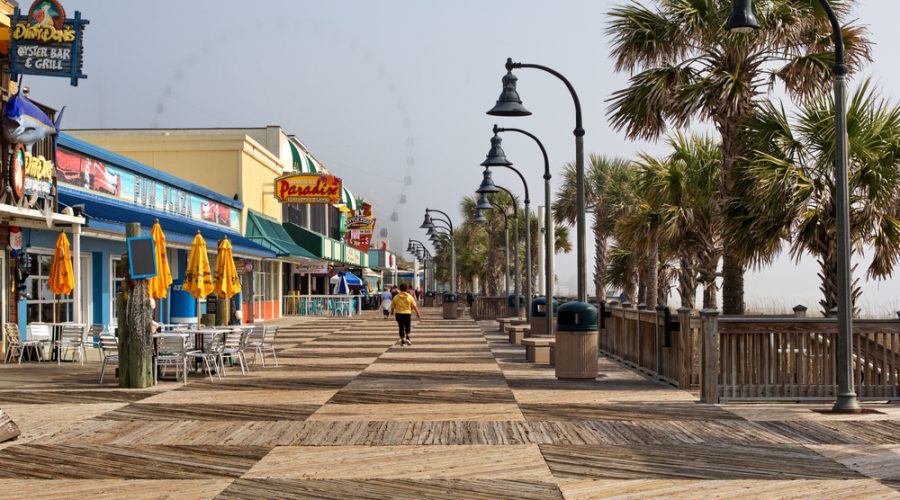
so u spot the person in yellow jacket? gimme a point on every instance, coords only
(402, 307)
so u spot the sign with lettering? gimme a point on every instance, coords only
(38, 175)
(44, 42)
(308, 188)
(359, 233)
(89, 174)
(312, 268)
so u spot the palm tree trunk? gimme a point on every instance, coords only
(687, 282)
(652, 270)
(732, 266)
(600, 248)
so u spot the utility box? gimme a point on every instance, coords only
(539, 317)
(576, 341)
(450, 309)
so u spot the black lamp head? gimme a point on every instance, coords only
(496, 157)
(483, 203)
(487, 184)
(479, 217)
(430, 231)
(741, 19)
(427, 224)
(409, 247)
(509, 103)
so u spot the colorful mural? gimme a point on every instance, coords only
(92, 175)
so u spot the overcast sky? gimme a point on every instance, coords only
(379, 90)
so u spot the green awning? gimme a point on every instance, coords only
(300, 161)
(348, 200)
(269, 233)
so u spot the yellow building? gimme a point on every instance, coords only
(243, 163)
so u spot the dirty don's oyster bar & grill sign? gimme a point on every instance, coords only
(44, 42)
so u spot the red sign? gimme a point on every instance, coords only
(308, 188)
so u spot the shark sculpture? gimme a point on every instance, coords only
(25, 123)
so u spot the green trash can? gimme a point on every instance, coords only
(514, 310)
(577, 334)
(430, 299)
(539, 319)
(450, 302)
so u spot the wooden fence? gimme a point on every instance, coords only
(733, 358)
(487, 308)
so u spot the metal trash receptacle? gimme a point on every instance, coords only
(513, 310)
(539, 319)
(450, 309)
(577, 332)
(430, 299)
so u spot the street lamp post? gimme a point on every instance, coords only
(418, 249)
(487, 187)
(509, 104)
(497, 157)
(491, 205)
(742, 20)
(427, 224)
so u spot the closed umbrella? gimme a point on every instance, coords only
(227, 283)
(159, 284)
(197, 278)
(61, 280)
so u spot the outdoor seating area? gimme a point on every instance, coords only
(295, 304)
(179, 350)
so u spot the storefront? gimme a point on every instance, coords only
(110, 191)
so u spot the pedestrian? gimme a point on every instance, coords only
(394, 291)
(386, 302)
(403, 305)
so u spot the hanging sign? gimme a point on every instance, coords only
(312, 268)
(38, 175)
(43, 42)
(308, 188)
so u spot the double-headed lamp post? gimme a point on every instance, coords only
(428, 223)
(742, 20)
(497, 157)
(510, 104)
(420, 251)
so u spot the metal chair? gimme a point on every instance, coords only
(42, 333)
(234, 346)
(16, 347)
(71, 336)
(267, 344)
(171, 351)
(109, 351)
(210, 356)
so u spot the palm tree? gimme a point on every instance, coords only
(793, 182)
(607, 195)
(688, 67)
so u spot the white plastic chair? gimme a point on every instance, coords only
(109, 351)
(170, 351)
(71, 336)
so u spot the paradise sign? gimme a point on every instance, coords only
(308, 188)
(44, 42)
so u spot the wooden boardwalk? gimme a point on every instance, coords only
(459, 414)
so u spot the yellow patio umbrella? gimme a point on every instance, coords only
(159, 284)
(197, 278)
(227, 283)
(61, 280)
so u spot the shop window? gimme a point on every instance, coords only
(334, 223)
(117, 279)
(42, 303)
(317, 218)
(297, 214)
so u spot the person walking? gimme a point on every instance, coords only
(402, 307)
(386, 302)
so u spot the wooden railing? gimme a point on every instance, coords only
(734, 358)
(656, 342)
(795, 359)
(487, 308)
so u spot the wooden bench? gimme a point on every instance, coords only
(504, 322)
(517, 333)
(537, 349)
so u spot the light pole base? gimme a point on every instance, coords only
(846, 403)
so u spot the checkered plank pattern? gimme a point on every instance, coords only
(349, 413)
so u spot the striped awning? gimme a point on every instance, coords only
(348, 200)
(302, 162)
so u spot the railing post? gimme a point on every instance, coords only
(709, 328)
(660, 331)
(685, 348)
(799, 311)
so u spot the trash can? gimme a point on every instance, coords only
(513, 310)
(429, 299)
(450, 310)
(539, 319)
(576, 341)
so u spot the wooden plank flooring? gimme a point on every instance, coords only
(349, 413)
